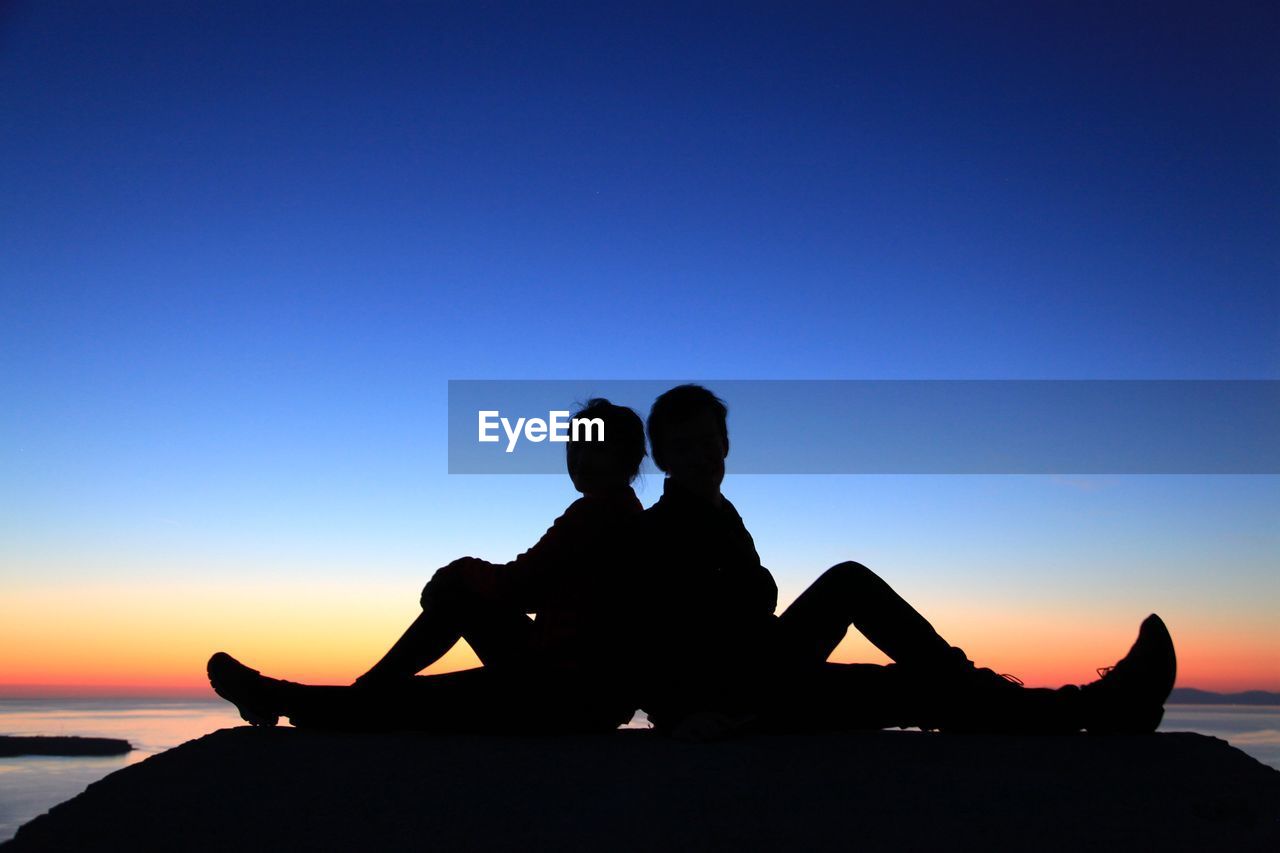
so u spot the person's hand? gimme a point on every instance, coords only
(449, 578)
(709, 726)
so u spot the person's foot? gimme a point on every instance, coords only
(1129, 697)
(243, 687)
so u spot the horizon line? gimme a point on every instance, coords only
(10, 692)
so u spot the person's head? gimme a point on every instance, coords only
(597, 465)
(689, 437)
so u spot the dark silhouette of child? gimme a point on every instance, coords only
(551, 673)
(715, 659)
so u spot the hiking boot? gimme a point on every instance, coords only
(243, 687)
(1129, 697)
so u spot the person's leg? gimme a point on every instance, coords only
(1128, 699)
(851, 594)
(480, 700)
(476, 700)
(469, 700)
(840, 697)
(499, 637)
(856, 697)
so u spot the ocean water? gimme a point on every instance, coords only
(1253, 729)
(30, 785)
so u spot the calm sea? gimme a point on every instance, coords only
(31, 785)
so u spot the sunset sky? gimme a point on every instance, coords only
(244, 247)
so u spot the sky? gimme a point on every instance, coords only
(244, 247)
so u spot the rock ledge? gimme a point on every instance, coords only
(283, 789)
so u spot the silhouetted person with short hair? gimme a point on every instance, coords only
(552, 673)
(716, 659)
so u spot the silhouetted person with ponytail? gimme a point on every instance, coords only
(552, 673)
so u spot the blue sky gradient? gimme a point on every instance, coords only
(244, 246)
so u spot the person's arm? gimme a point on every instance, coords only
(758, 591)
(522, 583)
(469, 575)
(749, 588)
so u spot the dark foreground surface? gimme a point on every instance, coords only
(70, 745)
(283, 789)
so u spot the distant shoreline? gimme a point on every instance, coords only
(1192, 696)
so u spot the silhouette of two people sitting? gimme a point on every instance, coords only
(669, 610)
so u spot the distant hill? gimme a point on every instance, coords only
(1192, 696)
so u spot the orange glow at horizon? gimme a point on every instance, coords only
(1053, 652)
(68, 641)
(321, 634)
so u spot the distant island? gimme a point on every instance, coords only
(11, 746)
(1192, 696)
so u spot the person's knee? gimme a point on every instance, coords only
(851, 574)
(850, 570)
(446, 589)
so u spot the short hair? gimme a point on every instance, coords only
(623, 434)
(678, 404)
